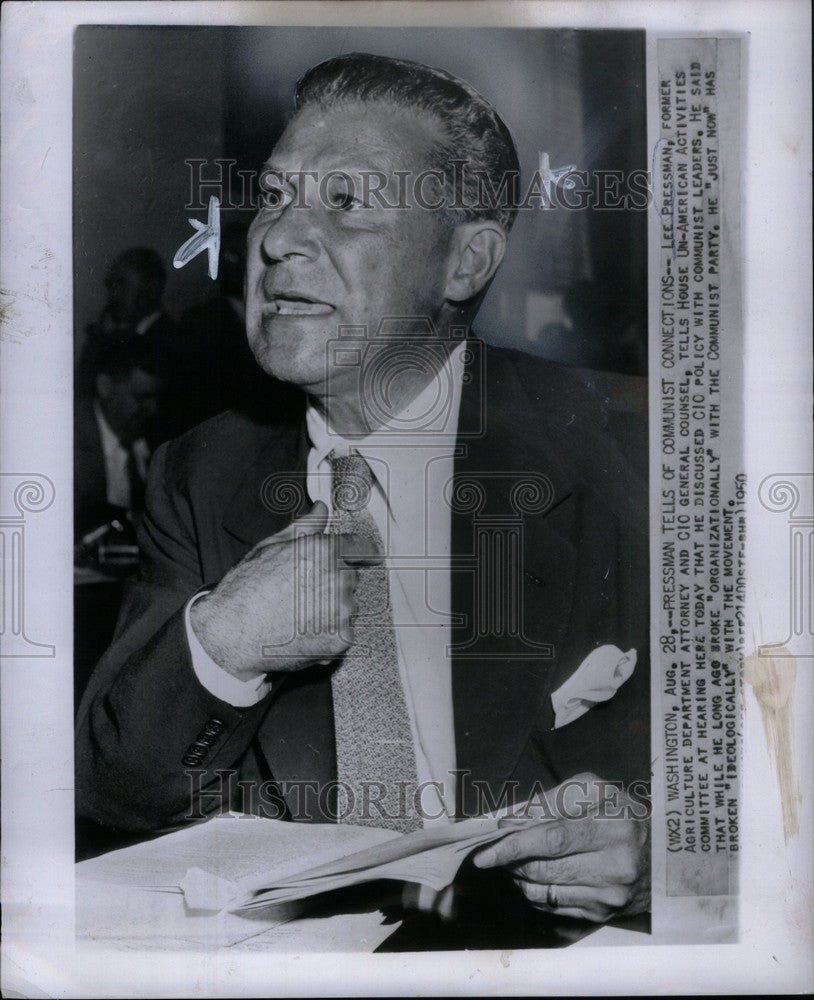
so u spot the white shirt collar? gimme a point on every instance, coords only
(433, 414)
(428, 424)
(110, 442)
(112, 448)
(144, 324)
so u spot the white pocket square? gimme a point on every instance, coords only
(600, 675)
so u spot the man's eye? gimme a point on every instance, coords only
(345, 202)
(341, 197)
(274, 198)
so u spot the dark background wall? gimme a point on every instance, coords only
(147, 99)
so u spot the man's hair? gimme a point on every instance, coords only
(473, 133)
(144, 261)
(120, 358)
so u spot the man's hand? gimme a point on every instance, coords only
(595, 867)
(286, 605)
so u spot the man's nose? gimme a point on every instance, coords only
(292, 234)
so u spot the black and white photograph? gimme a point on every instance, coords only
(397, 514)
(389, 572)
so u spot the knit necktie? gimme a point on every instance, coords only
(376, 765)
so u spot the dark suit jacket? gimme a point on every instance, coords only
(577, 570)
(91, 508)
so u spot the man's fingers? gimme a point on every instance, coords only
(615, 866)
(313, 522)
(550, 839)
(354, 550)
(584, 902)
(553, 839)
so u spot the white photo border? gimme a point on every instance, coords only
(773, 953)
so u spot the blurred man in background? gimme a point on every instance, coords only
(134, 310)
(112, 426)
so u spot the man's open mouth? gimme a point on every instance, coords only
(291, 304)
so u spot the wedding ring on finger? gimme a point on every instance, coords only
(551, 897)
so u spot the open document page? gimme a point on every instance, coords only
(240, 863)
(133, 897)
(428, 857)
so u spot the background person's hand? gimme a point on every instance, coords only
(594, 867)
(290, 596)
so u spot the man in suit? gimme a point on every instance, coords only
(134, 312)
(389, 607)
(111, 453)
(133, 309)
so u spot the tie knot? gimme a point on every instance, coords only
(352, 481)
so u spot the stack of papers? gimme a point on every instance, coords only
(428, 857)
(238, 864)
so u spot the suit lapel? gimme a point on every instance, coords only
(272, 491)
(297, 735)
(514, 567)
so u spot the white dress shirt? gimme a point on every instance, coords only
(116, 457)
(412, 462)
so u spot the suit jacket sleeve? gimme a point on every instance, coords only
(144, 707)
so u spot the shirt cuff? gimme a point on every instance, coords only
(216, 680)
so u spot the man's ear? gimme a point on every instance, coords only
(476, 252)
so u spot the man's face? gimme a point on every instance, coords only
(130, 296)
(319, 259)
(129, 403)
